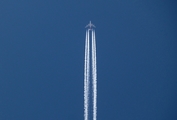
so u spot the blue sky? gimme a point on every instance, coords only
(42, 59)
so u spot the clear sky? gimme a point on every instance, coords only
(42, 59)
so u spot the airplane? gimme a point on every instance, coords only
(90, 25)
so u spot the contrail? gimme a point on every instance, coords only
(86, 76)
(94, 76)
(87, 73)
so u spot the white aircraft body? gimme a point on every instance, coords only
(90, 25)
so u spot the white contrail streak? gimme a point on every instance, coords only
(87, 75)
(95, 79)
(94, 76)
(88, 71)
